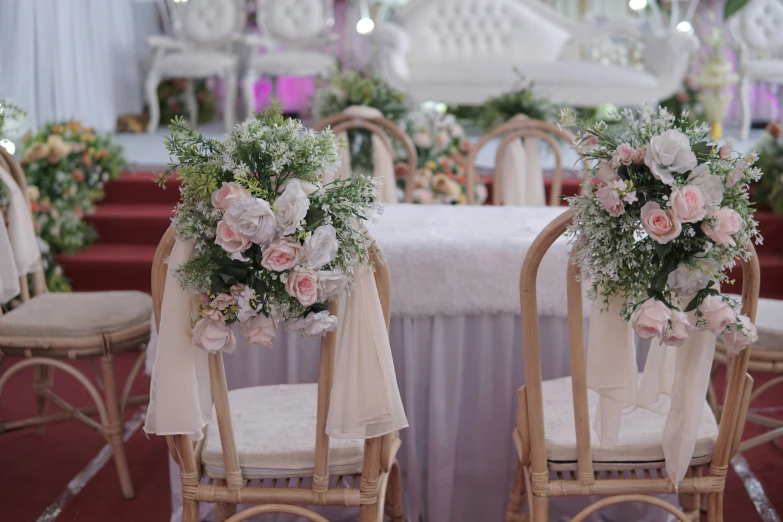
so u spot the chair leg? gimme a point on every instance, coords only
(394, 506)
(114, 429)
(539, 511)
(43, 380)
(744, 96)
(715, 507)
(224, 510)
(151, 92)
(249, 92)
(517, 497)
(691, 505)
(190, 511)
(230, 103)
(191, 102)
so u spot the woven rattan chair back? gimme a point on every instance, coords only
(381, 127)
(379, 466)
(529, 433)
(512, 130)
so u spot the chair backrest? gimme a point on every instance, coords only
(10, 164)
(209, 23)
(381, 127)
(735, 406)
(757, 26)
(184, 453)
(512, 130)
(295, 21)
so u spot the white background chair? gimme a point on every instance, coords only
(757, 31)
(296, 35)
(202, 47)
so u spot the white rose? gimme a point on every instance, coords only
(668, 153)
(314, 324)
(330, 283)
(710, 185)
(307, 187)
(291, 207)
(687, 280)
(253, 218)
(260, 330)
(320, 247)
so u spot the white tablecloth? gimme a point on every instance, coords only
(458, 370)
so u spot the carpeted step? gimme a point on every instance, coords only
(771, 228)
(139, 187)
(771, 277)
(140, 224)
(110, 267)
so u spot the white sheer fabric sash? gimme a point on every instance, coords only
(19, 253)
(382, 156)
(521, 173)
(365, 401)
(674, 383)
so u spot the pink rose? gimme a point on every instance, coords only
(590, 140)
(223, 301)
(423, 140)
(725, 151)
(735, 175)
(442, 139)
(422, 195)
(660, 225)
(740, 335)
(605, 170)
(303, 284)
(281, 255)
(610, 200)
(638, 158)
(688, 204)
(465, 146)
(213, 336)
(679, 329)
(721, 224)
(259, 330)
(624, 154)
(650, 319)
(201, 299)
(229, 240)
(717, 313)
(215, 315)
(226, 194)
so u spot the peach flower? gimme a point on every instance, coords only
(610, 200)
(260, 330)
(721, 224)
(660, 225)
(717, 313)
(624, 154)
(688, 204)
(650, 319)
(679, 329)
(226, 194)
(213, 336)
(281, 255)
(223, 301)
(230, 241)
(740, 335)
(303, 285)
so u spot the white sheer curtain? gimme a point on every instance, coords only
(64, 59)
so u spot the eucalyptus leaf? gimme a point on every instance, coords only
(732, 7)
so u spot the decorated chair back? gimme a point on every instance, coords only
(295, 22)
(12, 166)
(378, 451)
(511, 132)
(530, 434)
(208, 23)
(756, 28)
(380, 127)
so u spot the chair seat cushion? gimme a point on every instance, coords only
(274, 431)
(292, 63)
(640, 437)
(196, 64)
(77, 314)
(765, 70)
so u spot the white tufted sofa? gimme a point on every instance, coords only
(463, 51)
(757, 30)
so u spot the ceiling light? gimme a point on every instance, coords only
(637, 5)
(365, 26)
(684, 27)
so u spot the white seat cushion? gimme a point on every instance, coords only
(765, 70)
(77, 314)
(641, 430)
(274, 431)
(196, 64)
(292, 63)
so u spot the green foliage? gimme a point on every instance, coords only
(500, 109)
(732, 7)
(8, 111)
(769, 191)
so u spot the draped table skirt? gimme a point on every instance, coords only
(458, 377)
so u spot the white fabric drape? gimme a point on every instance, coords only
(75, 59)
(521, 173)
(19, 253)
(458, 378)
(382, 156)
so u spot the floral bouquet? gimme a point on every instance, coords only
(770, 187)
(66, 166)
(442, 150)
(348, 88)
(273, 240)
(668, 213)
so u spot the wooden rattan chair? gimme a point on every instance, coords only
(514, 130)
(381, 127)
(766, 356)
(49, 328)
(257, 433)
(553, 463)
